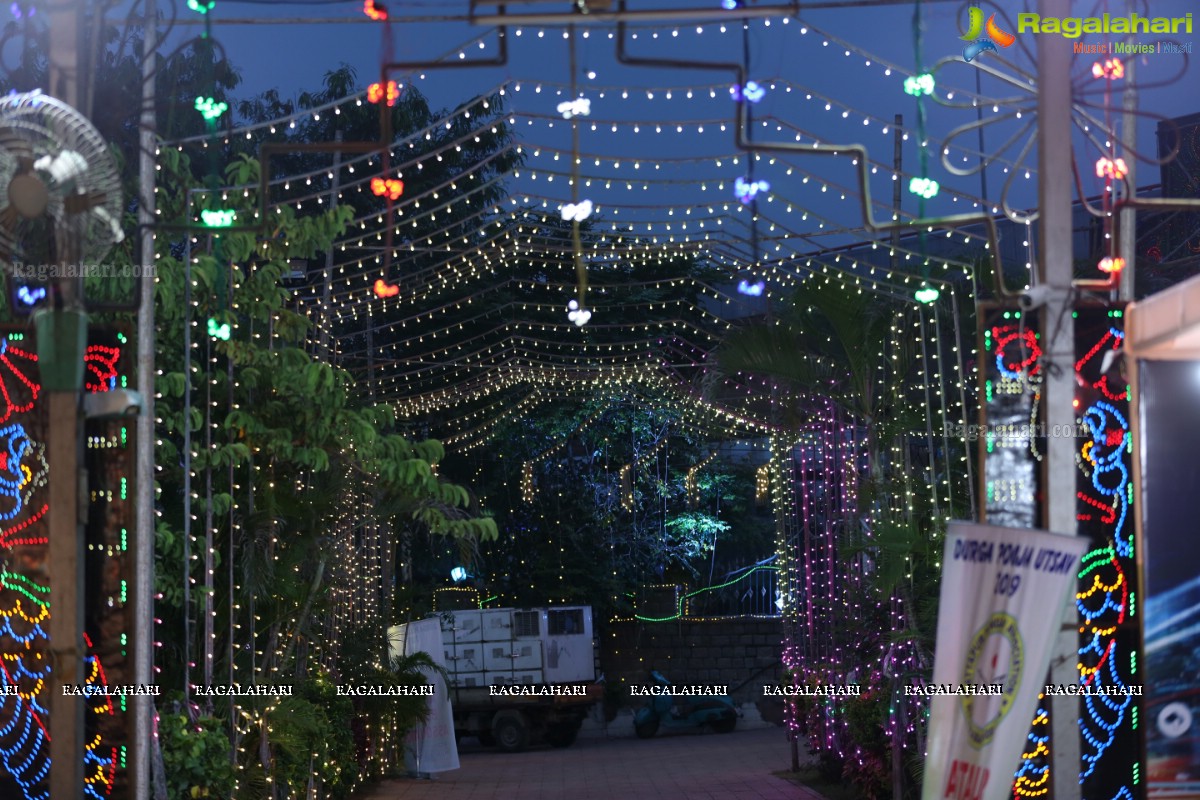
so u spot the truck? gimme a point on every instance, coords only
(519, 676)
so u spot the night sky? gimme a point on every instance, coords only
(295, 57)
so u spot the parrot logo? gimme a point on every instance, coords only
(980, 43)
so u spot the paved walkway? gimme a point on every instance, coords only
(703, 766)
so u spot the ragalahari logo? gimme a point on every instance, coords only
(978, 42)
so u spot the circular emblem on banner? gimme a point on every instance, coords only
(995, 655)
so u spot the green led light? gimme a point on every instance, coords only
(924, 187)
(124, 591)
(124, 543)
(218, 218)
(918, 85)
(201, 6)
(124, 488)
(210, 109)
(927, 294)
(218, 331)
(11, 580)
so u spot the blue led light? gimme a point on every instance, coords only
(31, 295)
(754, 289)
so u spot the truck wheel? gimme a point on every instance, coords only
(562, 735)
(647, 729)
(511, 732)
(725, 725)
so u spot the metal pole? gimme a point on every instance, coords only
(66, 490)
(141, 618)
(1058, 336)
(66, 593)
(1128, 222)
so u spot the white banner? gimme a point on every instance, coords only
(431, 746)
(1003, 595)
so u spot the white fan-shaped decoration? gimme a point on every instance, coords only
(53, 161)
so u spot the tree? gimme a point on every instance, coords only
(261, 447)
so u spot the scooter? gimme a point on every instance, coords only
(714, 711)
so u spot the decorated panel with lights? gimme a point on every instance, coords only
(1107, 596)
(25, 604)
(1010, 450)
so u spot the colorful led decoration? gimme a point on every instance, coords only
(746, 190)
(25, 603)
(1011, 397)
(217, 330)
(374, 10)
(577, 212)
(17, 390)
(391, 188)
(384, 289)
(918, 85)
(201, 6)
(1109, 636)
(210, 109)
(13, 444)
(1033, 776)
(1111, 265)
(579, 107)
(218, 218)
(1110, 69)
(1111, 168)
(924, 187)
(378, 93)
(100, 367)
(752, 92)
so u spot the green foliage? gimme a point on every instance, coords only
(195, 757)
